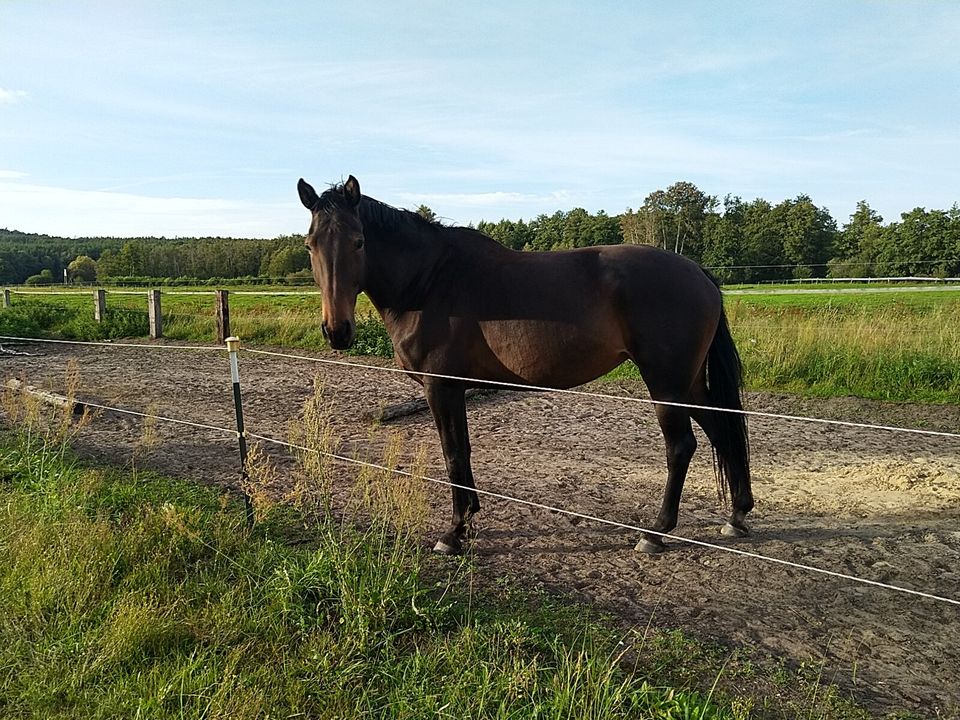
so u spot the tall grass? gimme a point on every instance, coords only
(888, 352)
(67, 318)
(883, 347)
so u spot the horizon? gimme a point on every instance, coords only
(174, 121)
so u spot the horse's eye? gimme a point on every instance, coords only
(359, 241)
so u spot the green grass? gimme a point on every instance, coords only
(761, 288)
(864, 298)
(895, 347)
(282, 320)
(149, 598)
(900, 346)
(66, 317)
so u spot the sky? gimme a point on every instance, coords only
(197, 118)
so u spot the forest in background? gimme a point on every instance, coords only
(739, 241)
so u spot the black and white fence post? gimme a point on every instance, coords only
(233, 345)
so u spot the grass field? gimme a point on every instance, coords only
(126, 594)
(888, 346)
(899, 345)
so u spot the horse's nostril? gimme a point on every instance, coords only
(325, 331)
(340, 337)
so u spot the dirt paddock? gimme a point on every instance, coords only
(879, 505)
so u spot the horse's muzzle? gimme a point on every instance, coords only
(341, 337)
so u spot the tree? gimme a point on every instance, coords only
(674, 217)
(576, 228)
(807, 234)
(631, 227)
(286, 261)
(83, 268)
(851, 239)
(762, 244)
(923, 244)
(514, 235)
(605, 230)
(547, 231)
(857, 245)
(426, 213)
(44, 277)
(723, 245)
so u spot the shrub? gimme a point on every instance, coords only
(45, 277)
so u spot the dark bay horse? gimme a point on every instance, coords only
(456, 302)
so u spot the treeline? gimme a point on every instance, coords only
(756, 241)
(30, 258)
(23, 255)
(740, 241)
(205, 259)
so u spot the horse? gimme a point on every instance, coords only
(458, 303)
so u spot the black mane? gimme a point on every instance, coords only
(373, 213)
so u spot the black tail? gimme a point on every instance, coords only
(724, 383)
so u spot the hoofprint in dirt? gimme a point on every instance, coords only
(879, 505)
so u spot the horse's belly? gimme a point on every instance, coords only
(553, 353)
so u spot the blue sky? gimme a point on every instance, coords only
(193, 118)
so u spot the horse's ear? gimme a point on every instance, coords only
(308, 196)
(351, 191)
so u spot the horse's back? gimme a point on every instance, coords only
(634, 282)
(558, 318)
(660, 281)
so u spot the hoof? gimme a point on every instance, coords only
(734, 531)
(650, 547)
(443, 547)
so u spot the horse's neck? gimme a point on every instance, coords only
(400, 268)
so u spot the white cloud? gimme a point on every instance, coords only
(11, 175)
(9, 97)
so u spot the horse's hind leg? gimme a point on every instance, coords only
(736, 474)
(681, 444)
(448, 405)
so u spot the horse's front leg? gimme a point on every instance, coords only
(449, 408)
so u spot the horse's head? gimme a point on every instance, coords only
(337, 256)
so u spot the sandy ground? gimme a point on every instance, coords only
(879, 505)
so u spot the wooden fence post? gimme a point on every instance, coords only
(223, 315)
(156, 321)
(99, 304)
(6, 297)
